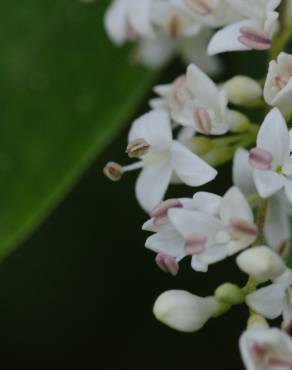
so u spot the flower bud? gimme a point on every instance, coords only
(241, 90)
(184, 311)
(261, 263)
(230, 294)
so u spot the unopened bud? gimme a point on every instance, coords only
(260, 159)
(238, 122)
(229, 293)
(241, 90)
(184, 311)
(137, 148)
(113, 171)
(167, 264)
(261, 263)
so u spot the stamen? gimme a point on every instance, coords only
(179, 94)
(203, 120)
(159, 213)
(242, 229)
(174, 26)
(137, 148)
(196, 244)
(202, 7)
(254, 39)
(131, 33)
(279, 363)
(113, 171)
(167, 264)
(283, 249)
(258, 352)
(260, 159)
(280, 81)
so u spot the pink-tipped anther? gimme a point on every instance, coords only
(243, 230)
(196, 244)
(167, 264)
(113, 171)
(203, 120)
(254, 39)
(159, 213)
(179, 94)
(274, 362)
(260, 159)
(202, 7)
(280, 81)
(258, 352)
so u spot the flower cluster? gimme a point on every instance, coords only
(194, 125)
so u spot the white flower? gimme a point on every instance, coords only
(275, 299)
(254, 32)
(271, 158)
(128, 20)
(266, 349)
(242, 90)
(212, 13)
(195, 101)
(209, 230)
(277, 225)
(261, 263)
(184, 311)
(278, 86)
(163, 156)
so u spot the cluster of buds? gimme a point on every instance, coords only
(195, 125)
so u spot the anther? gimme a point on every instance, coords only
(254, 39)
(113, 171)
(260, 159)
(137, 148)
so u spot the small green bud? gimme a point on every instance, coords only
(201, 145)
(230, 294)
(257, 320)
(238, 122)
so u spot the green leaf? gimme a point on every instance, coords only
(65, 93)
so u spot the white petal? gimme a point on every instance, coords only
(214, 254)
(140, 17)
(154, 127)
(288, 189)
(268, 182)
(190, 168)
(198, 265)
(273, 136)
(207, 202)
(268, 301)
(234, 205)
(115, 21)
(155, 52)
(227, 39)
(242, 172)
(202, 87)
(167, 242)
(277, 225)
(189, 222)
(152, 184)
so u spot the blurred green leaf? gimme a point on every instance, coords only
(65, 92)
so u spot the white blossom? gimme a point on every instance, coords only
(275, 299)
(194, 101)
(129, 20)
(278, 86)
(210, 230)
(277, 226)
(254, 32)
(266, 349)
(163, 157)
(271, 158)
(184, 311)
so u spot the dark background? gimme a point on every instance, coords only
(79, 293)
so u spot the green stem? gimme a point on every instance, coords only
(284, 33)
